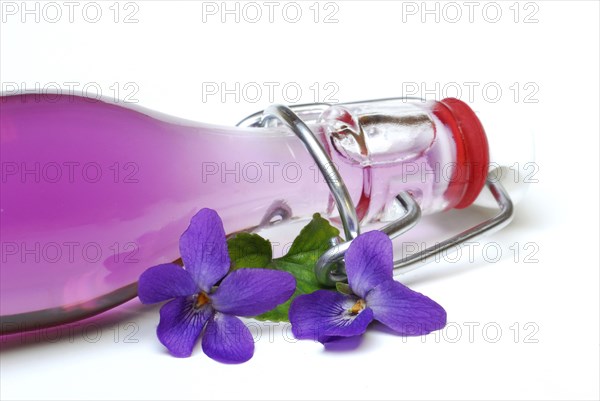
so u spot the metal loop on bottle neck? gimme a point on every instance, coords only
(327, 268)
(332, 176)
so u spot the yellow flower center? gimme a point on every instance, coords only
(358, 307)
(202, 300)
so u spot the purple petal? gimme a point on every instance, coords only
(163, 282)
(325, 314)
(250, 292)
(227, 339)
(369, 262)
(405, 311)
(203, 248)
(181, 324)
(342, 343)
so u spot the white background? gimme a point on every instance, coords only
(375, 49)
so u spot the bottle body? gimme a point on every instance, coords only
(94, 193)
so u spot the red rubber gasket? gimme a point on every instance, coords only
(472, 151)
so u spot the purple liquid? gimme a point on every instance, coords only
(94, 193)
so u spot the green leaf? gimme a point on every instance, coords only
(313, 240)
(343, 288)
(252, 251)
(249, 250)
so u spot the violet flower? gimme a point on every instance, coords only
(329, 315)
(198, 306)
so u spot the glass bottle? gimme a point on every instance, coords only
(93, 193)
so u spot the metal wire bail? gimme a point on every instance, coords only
(327, 268)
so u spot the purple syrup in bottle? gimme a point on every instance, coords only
(93, 193)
